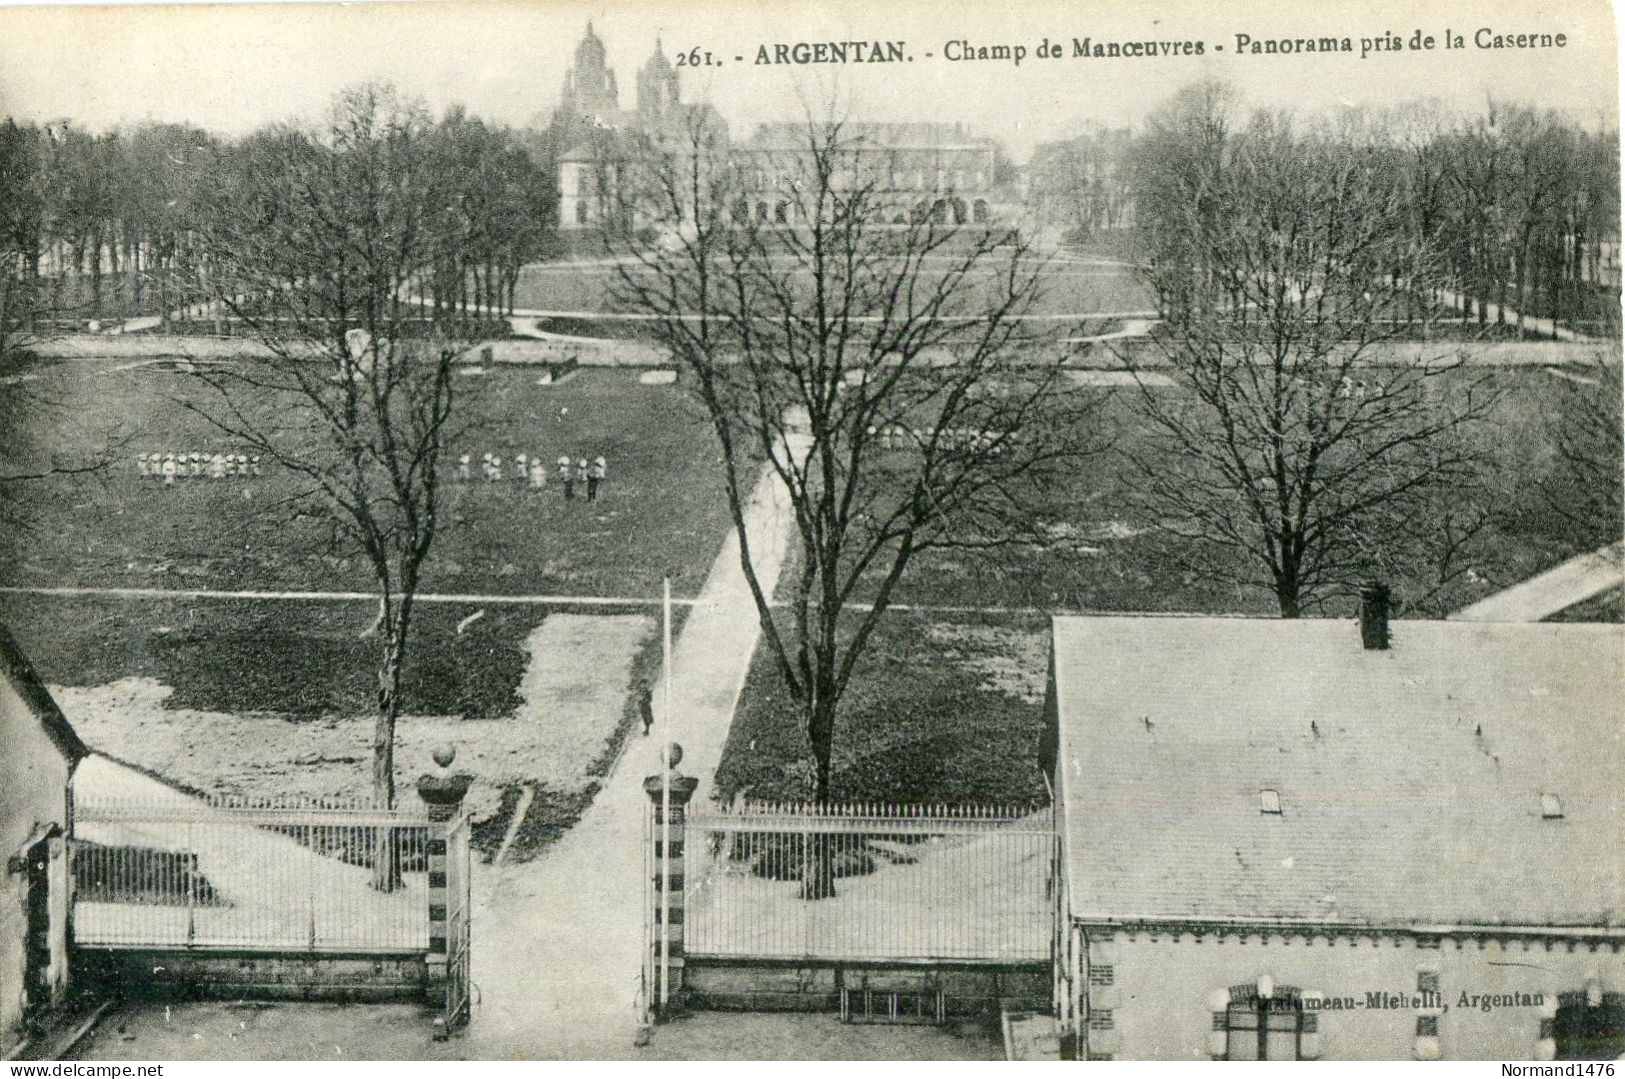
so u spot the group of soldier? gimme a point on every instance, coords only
(896, 436)
(587, 476)
(170, 467)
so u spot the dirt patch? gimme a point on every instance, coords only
(1010, 661)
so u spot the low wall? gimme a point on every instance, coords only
(160, 972)
(769, 985)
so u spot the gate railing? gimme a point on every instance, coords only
(221, 874)
(875, 881)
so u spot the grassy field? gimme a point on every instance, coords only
(947, 705)
(1070, 287)
(1104, 553)
(660, 511)
(961, 725)
(272, 697)
(302, 660)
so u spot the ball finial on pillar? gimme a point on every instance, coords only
(444, 756)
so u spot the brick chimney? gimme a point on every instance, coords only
(1374, 616)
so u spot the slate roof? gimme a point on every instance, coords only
(16, 669)
(1397, 811)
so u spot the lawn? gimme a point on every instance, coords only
(940, 710)
(661, 510)
(947, 705)
(1102, 552)
(272, 698)
(1069, 288)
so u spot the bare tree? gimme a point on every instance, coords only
(26, 210)
(1584, 420)
(31, 315)
(1302, 446)
(312, 246)
(875, 358)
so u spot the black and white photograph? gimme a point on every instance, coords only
(722, 530)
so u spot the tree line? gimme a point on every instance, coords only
(106, 225)
(1521, 204)
(1313, 276)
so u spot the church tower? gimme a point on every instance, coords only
(657, 86)
(589, 87)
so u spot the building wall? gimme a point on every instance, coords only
(740, 984)
(1158, 998)
(33, 793)
(576, 197)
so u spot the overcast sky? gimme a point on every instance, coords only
(232, 67)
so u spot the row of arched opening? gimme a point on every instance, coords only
(948, 211)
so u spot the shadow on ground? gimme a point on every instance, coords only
(249, 1030)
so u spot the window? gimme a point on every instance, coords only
(1101, 974)
(1265, 1028)
(1427, 1026)
(1584, 1030)
(581, 213)
(1427, 981)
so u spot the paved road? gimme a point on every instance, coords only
(558, 943)
(1533, 323)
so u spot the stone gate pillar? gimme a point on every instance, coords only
(442, 792)
(667, 864)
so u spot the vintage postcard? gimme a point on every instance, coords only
(727, 530)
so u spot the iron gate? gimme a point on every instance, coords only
(872, 881)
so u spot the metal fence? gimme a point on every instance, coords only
(223, 874)
(869, 882)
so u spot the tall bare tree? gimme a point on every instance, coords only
(31, 314)
(313, 248)
(875, 358)
(25, 213)
(1584, 422)
(1301, 448)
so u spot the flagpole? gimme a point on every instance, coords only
(665, 795)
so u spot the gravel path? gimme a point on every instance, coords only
(558, 943)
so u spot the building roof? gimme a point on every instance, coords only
(1555, 591)
(1415, 799)
(20, 674)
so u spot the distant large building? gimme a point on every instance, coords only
(1302, 838)
(590, 95)
(933, 170)
(597, 135)
(919, 169)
